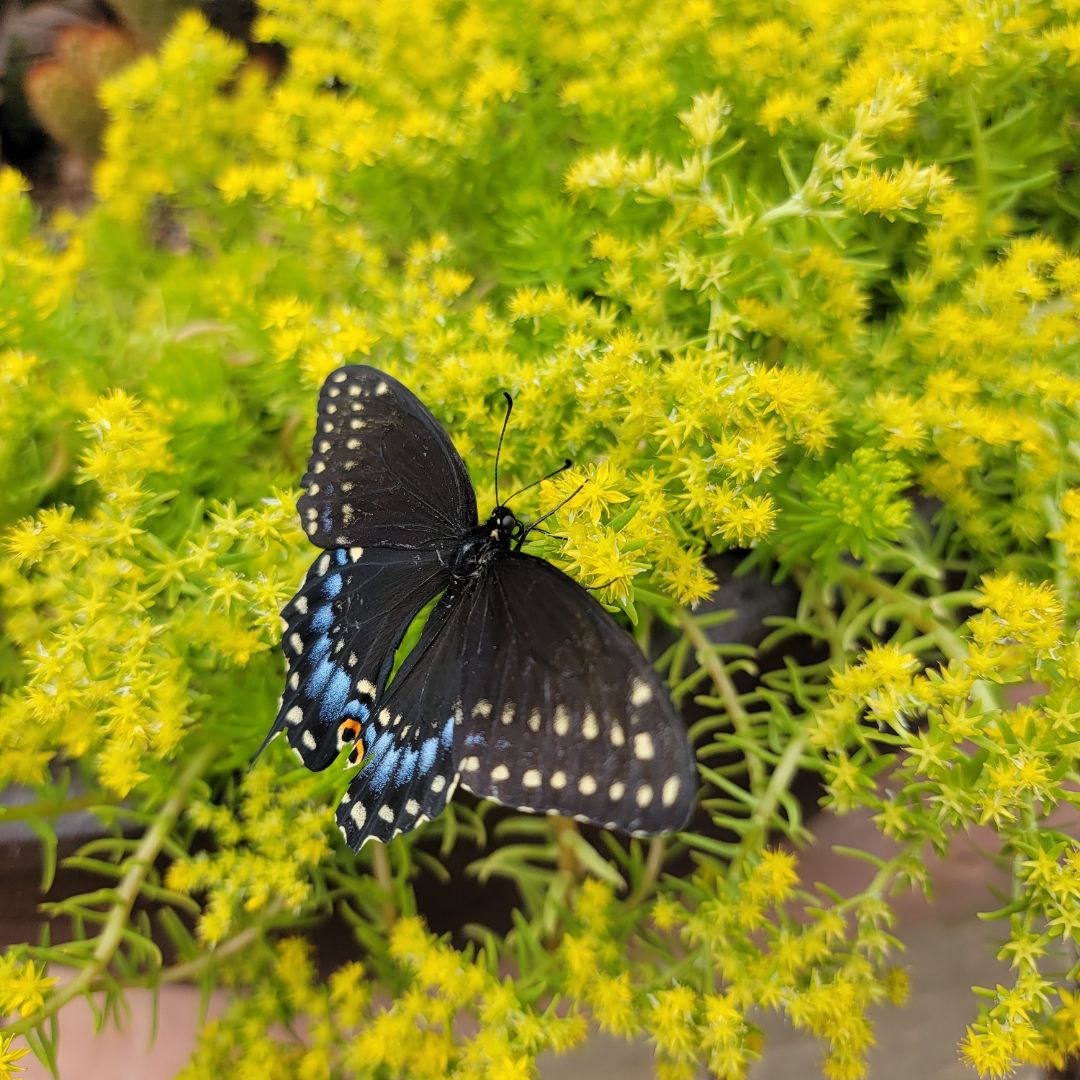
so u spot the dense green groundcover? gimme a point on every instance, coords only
(795, 278)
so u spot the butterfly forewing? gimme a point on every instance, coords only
(383, 472)
(341, 631)
(561, 712)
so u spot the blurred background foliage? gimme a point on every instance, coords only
(793, 281)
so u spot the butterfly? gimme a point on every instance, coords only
(521, 688)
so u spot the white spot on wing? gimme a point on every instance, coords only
(301, 604)
(531, 779)
(482, 709)
(308, 740)
(670, 792)
(500, 773)
(587, 785)
(618, 736)
(558, 780)
(437, 784)
(616, 791)
(386, 814)
(562, 720)
(589, 727)
(643, 746)
(644, 796)
(641, 693)
(294, 715)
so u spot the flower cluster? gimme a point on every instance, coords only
(250, 868)
(821, 972)
(187, 604)
(439, 990)
(958, 761)
(795, 282)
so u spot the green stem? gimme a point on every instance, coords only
(712, 663)
(654, 863)
(51, 808)
(1062, 578)
(779, 782)
(138, 866)
(881, 883)
(981, 162)
(380, 863)
(237, 943)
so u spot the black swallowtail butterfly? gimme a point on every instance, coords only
(522, 688)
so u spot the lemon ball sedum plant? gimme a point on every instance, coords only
(798, 281)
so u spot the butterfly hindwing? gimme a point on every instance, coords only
(341, 631)
(410, 770)
(383, 472)
(561, 712)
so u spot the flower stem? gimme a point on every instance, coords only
(380, 863)
(779, 782)
(237, 943)
(138, 866)
(654, 863)
(712, 663)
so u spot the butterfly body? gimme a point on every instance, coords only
(479, 546)
(521, 687)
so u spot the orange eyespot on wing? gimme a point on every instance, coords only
(349, 732)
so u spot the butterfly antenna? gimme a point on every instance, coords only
(498, 451)
(567, 464)
(553, 510)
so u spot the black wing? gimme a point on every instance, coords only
(562, 713)
(383, 472)
(410, 770)
(527, 692)
(341, 631)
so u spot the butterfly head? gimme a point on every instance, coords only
(504, 526)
